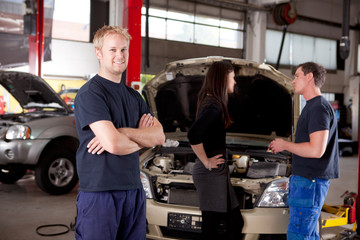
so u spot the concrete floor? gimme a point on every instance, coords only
(24, 207)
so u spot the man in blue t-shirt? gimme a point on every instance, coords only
(113, 122)
(315, 153)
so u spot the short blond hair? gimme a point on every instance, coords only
(107, 30)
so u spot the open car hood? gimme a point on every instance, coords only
(31, 91)
(263, 101)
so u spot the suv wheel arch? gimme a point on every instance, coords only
(55, 172)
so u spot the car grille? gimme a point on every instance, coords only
(187, 197)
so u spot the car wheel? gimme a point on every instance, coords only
(56, 170)
(11, 173)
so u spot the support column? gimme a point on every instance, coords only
(132, 21)
(116, 13)
(255, 41)
(36, 43)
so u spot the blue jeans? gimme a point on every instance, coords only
(306, 198)
(111, 215)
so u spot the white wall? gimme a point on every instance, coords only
(70, 60)
(75, 59)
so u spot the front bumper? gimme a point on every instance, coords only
(21, 151)
(257, 220)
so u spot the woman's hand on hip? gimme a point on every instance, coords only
(215, 161)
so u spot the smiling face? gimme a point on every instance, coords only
(113, 57)
(231, 82)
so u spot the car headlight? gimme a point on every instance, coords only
(146, 184)
(18, 132)
(275, 194)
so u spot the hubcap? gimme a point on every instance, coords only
(61, 172)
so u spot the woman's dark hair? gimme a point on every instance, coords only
(215, 86)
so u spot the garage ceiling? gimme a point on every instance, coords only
(261, 5)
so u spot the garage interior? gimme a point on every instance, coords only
(262, 36)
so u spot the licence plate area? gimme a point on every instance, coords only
(184, 222)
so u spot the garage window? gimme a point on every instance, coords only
(71, 20)
(299, 48)
(195, 27)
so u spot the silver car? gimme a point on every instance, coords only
(39, 136)
(262, 107)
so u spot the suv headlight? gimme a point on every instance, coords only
(146, 184)
(275, 194)
(18, 132)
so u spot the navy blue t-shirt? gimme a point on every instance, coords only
(101, 99)
(317, 115)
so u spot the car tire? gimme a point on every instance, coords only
(56, 171)
(9, 174)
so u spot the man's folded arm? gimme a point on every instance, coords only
(112, 140)
(146, 137)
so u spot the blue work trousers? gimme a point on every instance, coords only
(111, 215)
(306, 198)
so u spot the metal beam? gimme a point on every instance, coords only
(132, 21)
(36, 42)
(234, 4)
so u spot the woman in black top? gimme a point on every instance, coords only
(207, 137)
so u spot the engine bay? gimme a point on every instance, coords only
(250, 172)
